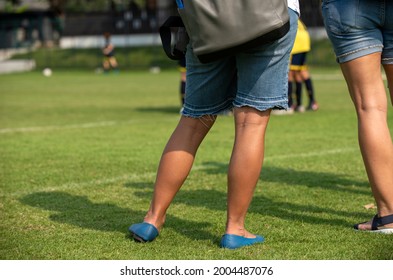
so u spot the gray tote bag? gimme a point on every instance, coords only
(218, 28)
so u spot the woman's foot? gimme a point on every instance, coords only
(377, 224)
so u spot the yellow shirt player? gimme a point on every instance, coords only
(302, 42)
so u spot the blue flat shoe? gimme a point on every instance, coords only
(232, 241)
(143, 232)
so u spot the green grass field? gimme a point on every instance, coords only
(79, 151)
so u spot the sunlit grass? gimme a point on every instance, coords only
(79, 152)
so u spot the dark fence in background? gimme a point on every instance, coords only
(18, 30)
(43, 28)
(114, 23)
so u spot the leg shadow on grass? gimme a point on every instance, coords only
(311, 213)
(307, 213)
(310, 179)
(81, 212)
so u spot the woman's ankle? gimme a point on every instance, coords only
(155, 220)
(240, 231)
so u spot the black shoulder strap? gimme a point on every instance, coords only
(166, 36)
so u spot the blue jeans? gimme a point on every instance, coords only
(359, 27)
(256, 78)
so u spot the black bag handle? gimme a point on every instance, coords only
(166, 37)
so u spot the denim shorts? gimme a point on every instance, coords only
(359, 27)
(256, 78)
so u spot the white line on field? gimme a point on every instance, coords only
(312, 154)
(60, 127)
(104, 181)
(64, 127)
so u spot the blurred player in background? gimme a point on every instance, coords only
(110, 61)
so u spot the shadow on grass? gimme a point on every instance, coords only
(307, 213)
(310, 179)
(81, 212)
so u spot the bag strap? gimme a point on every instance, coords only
(166, 37)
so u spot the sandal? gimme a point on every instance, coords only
(378, 225)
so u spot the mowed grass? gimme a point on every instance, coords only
(79, 152)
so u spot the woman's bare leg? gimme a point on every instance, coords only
(364, 80)
(175, 164)
(245, 166)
